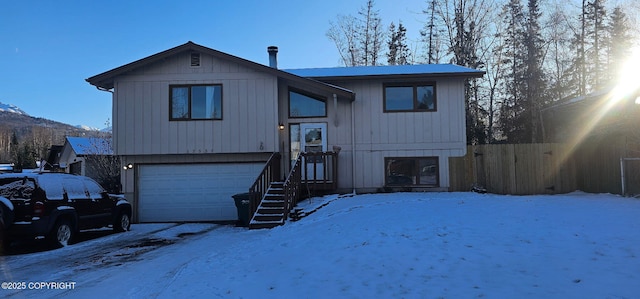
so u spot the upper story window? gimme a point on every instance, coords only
(409, 97)
(305, 105)
(195, 102)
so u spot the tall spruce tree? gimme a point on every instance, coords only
(596, 38)
(398, 51)
(534, 84)
(429, 34)
(620, 43)
(513, 116)
(577, 71)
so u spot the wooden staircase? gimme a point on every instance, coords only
(271, 211)
(271, 199)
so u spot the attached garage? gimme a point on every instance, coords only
(192, 192)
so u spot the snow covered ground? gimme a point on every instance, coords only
(401, 245)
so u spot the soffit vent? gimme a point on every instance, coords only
(195, 59)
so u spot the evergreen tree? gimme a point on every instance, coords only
(620, 43)
(534, 83)
(577, 73)
(398, 53)
(595, 39)
(430, 34)
(392, 54)
(513, 116)
(370, 33)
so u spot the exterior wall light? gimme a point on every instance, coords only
(281, 126)
(128, 166)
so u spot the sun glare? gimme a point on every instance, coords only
(628, 81)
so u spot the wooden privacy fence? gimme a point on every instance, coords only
(521, 169)
(605, 165)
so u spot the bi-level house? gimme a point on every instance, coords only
(195, 126)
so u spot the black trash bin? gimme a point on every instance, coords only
(242, 205)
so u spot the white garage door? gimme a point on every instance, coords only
(192, 192)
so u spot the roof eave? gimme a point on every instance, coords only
(400, 76)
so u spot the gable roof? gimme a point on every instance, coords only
(388, 71)
(90, 146)
(106, 80)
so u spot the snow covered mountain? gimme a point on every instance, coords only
(19, 117)
(85, 127)
(11, 108)
(15, 120)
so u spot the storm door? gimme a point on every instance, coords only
(313, 139)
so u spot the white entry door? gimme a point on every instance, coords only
(313, 138)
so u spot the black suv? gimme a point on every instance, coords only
(56, 206)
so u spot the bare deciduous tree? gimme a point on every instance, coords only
(359, 39)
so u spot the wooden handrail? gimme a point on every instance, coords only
(270, 173)
(292, 187)
(329, 163)
(293, 184)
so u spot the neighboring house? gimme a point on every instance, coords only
(92, 157)
(601, 130)
(74, 153)
(195, 126)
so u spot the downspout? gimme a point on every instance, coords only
(336, 122)
(353, 146)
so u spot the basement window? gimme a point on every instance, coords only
(418, 171)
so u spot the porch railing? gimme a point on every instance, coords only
(320, 170)
(291, 187)
(270, 173)
(317, 171)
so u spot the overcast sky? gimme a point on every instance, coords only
(49, 48)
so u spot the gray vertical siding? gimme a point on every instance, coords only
(141, 110)
(401, 134)
(255, 102)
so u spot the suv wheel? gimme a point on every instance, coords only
(122, 223)
(61, 234)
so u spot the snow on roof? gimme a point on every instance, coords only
(90, 145)
(387, 70)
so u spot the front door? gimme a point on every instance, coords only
(313, 138)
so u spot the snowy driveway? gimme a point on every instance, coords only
(34, 263)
